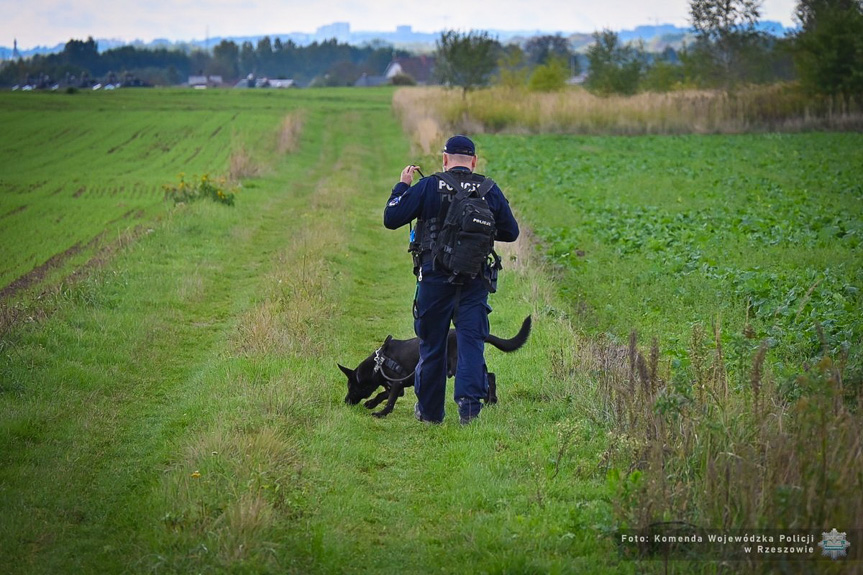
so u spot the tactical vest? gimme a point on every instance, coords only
(460, 239)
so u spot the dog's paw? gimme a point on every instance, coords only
(379, 414)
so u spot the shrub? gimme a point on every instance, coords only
(403, 80)
(199, 188)
(549, 77)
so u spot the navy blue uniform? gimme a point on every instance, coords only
(437, 298)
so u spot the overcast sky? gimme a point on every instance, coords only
(50, 22)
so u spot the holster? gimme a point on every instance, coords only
(490, 271)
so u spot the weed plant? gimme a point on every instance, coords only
(709, 455)
(199, 188)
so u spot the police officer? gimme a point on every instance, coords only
(440, 300)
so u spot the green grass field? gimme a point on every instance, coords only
(76, 167)
(179, 408)
(174, 406)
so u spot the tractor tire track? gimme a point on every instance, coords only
(127, 142)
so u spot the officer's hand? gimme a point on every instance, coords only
(408, 174)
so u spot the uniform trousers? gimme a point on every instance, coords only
(437, 303)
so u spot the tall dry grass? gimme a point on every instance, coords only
(288, 135)
(242, 164)
(426, 113)
(245, 162)
(720, 454)
(417, 109)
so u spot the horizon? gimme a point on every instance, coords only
(313, 33)
(48, 23)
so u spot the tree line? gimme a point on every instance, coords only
(81, 63)
(825, 55)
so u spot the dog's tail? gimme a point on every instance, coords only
(513, 343)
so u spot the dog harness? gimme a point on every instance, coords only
(382, 361)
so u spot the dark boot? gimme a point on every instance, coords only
(491, 398)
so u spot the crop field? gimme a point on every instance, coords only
(169, 395)
(656, 234)
(77, 168)
(719, 281)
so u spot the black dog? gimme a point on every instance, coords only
(392, 367)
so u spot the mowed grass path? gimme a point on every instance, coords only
(179, 409)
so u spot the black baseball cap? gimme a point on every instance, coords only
(461, 145)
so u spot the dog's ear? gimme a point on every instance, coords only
(351, 373)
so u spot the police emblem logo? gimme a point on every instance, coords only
(834, 544)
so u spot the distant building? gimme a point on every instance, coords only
(251, 81)
(366, 81)
(578, 79)
(420, 68)
(205, 81)
(341, 31)
(277, 83)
